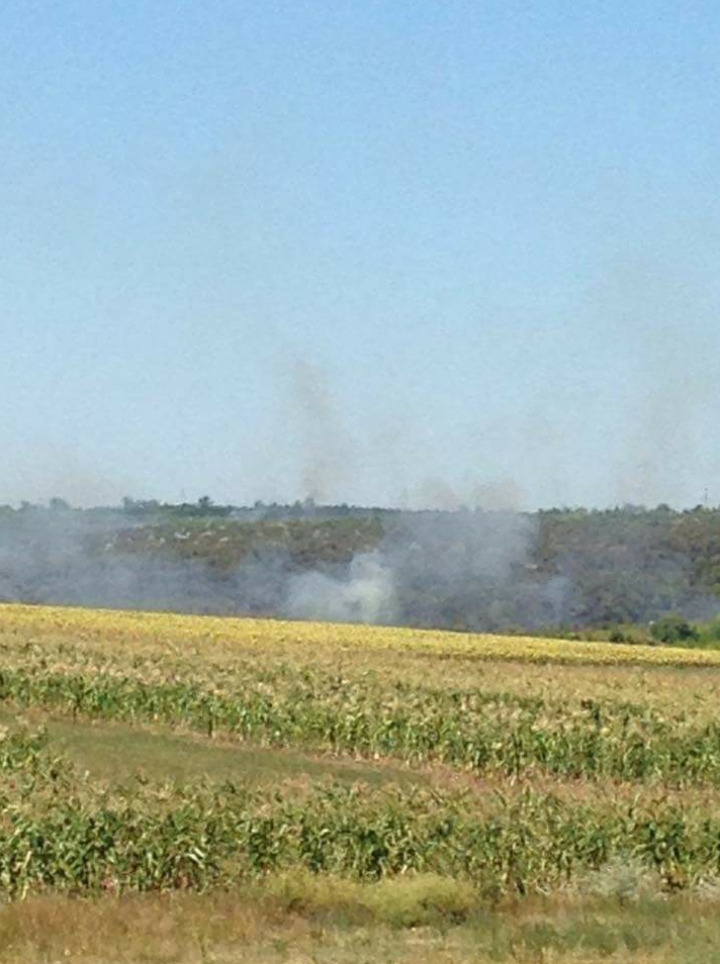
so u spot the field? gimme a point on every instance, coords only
(180, 788)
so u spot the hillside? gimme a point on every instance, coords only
(466, 570)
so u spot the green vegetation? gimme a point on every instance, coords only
(63, 833)
(116, 752)
(497, 733)
(673, 629)
(227, 543)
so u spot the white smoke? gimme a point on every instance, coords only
(365, 595)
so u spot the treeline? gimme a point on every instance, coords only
(630, 563)
(278, 511)
(559, 569)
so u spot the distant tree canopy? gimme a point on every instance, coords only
(151, 508)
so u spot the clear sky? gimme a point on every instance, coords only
(382, 252)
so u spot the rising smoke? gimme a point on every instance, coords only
(467, 569)
(365, 594)
(424, 563)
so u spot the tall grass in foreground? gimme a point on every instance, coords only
(299, 918)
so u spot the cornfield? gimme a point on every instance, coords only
(527, 787)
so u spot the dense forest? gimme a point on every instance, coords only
(563, 569)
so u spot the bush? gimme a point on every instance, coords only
(673, 629)
(712, 631)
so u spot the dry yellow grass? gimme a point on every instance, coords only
(329, 926)
(216, 635)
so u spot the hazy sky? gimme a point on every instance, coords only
(383, 252)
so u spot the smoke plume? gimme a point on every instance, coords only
(464, 569)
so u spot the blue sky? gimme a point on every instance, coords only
(400, 253)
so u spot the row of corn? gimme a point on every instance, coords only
(483, 733)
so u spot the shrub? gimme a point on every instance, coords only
(673, 629)
(712, 630)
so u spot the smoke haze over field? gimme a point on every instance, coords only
(69, 557)
(464, 569)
